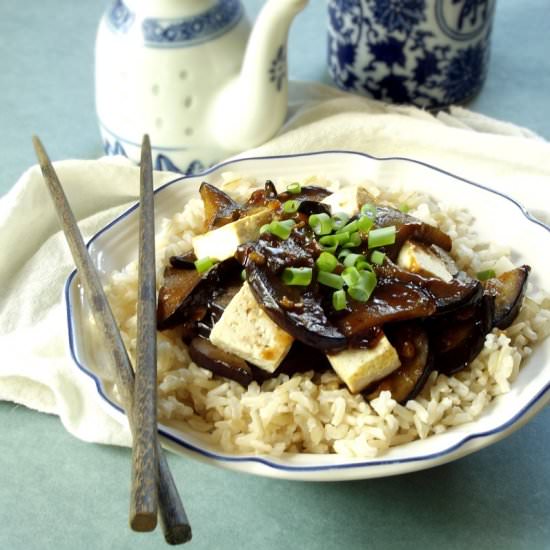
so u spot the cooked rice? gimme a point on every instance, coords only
(312, 413)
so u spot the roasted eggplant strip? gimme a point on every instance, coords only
(460, 291)
(184, 261)
(207, 355)
(458, 338)
(412, 344)
(219, 208)
(508, 290)
(392, 301)
(185, 294)
(297, 310)
(409, 228)
(178, 285)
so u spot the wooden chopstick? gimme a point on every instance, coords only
(177, 529)
(144, 500)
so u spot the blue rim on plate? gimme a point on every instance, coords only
(271, 462)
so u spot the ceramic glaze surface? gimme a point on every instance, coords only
(431, 53)
(174, 69)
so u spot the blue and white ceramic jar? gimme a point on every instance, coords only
(431, 53)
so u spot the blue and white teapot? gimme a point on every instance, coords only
(187, 73)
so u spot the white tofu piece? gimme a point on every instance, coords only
(222, 243)
(417, 258)
(360, 367)
(348, 200)
(245, 330)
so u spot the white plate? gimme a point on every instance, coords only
(499, 218)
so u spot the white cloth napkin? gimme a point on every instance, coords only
(36, 369)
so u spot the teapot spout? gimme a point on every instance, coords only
(252, 107)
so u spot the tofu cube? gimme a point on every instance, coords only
(245, 330)
(417, 258)
(348, 200)
(223, 242)
(360, 367)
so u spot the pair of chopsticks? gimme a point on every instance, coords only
(152, 482)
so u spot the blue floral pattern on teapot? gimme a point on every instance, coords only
(431, 53)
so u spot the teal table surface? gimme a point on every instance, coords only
(59, 492)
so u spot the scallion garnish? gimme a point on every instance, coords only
(354, 240)
(367, 280)
(364, 224)
(294, 188)
(352, 259)
(404, 207)
(290, 207)
(358, 293)
(361, 265)
(320, 223)
(343, 253)
(351, 276)
(282, 229)
(330, 242)
(339, 220)
(350, 227)
(382, 236)
(377, 257)
(326, 262)
(486, 274)
(330, 279)
(265, 228)
(243, 275)
(339, 301)
(204, 264)
(298, 276)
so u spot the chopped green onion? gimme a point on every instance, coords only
(361, 265)
(204, 264)
(329, 247)
(330, 279)
(243, 275)
(299, 276)
(350, 227)
(367, 280)
(351, 276)
(332, 241)
(289, 207)
(486, 274)
(320, 223)
(358, 293)
(377, 257)
(294, 188)
(265, 228)
(339, 220)
(326, 262)
(343, 254)
(339, 301)
(404, 207)
(354, 240)
(369, 210)
(282, 229)
(364, 224)
(382, 236)
(352, 259)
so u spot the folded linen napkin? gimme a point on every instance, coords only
(37, 370)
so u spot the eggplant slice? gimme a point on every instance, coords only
(407, 228)
(508, 290)
(220, 362)
(186, 294)
(298, 310)
(219, 208)
(412, 345)
(457, 338)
